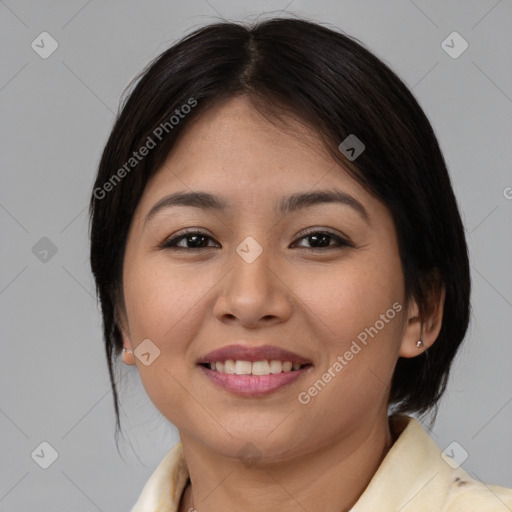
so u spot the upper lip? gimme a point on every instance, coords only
(248, 353)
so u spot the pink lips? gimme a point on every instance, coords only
(253, 385)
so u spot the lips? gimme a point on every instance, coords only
(251, 371)
(253, 354)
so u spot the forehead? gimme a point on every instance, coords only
(234, 152)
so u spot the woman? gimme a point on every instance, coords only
(278, 250)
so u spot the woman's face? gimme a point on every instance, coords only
(254, 277)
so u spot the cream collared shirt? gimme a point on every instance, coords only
(413, 477)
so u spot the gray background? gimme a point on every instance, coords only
(56, 114)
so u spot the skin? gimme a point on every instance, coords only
(296, 294)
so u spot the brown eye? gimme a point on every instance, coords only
(196, 239)
(321, 239)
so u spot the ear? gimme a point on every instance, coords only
(427, 328)
(122, 323)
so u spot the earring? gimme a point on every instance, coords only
(419, 343)
(128, 359)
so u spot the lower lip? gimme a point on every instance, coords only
(253, 385)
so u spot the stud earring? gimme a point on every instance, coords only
(127, 351)
(419, 343)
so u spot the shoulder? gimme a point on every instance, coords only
(465, 494)
(418, 476)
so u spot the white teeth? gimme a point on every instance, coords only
(243, 367)
(260, 368)
(229, 366)
(287, 367)
(264, 367)
(276, 366)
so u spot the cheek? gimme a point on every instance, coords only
(160, 300)
(352, 296)
(160, 304)
(164, 304)
(357, 311)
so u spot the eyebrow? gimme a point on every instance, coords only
(288, 204)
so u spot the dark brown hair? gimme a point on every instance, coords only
(331, 82)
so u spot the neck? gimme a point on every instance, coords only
(333, 476)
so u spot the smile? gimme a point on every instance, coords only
(249, 382)
(264, 367)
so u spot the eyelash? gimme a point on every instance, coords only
(170, 243)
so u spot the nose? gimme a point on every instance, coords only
(253, 293)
